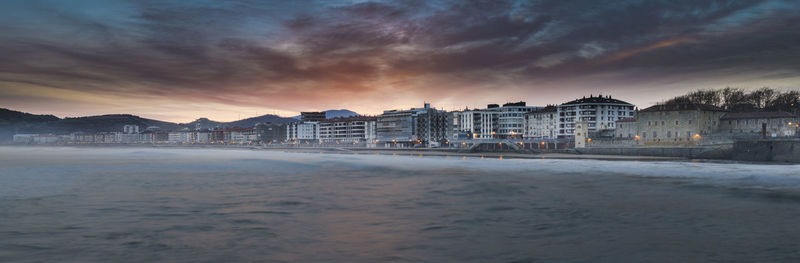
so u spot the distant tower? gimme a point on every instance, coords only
(581, 132)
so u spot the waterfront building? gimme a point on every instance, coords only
(475, 124)
(433, 127)
(402, 128)
(130, 129)
(676, 124)
(124, 137)
(154, 136)
(511, 119)
(271, 132)
(180, 137)
(302, 131)
(599, 113)
(354, 129)
(242, 135)
(542, 123)
(82, 137)
(201, 136)
(626, 128)
(754, 124)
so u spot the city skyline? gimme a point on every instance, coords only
(179, 61)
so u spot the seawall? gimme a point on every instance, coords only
(767, 151)
(696, 152)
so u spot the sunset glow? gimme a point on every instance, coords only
(226, 60)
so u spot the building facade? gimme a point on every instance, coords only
(542, 123)
(302, 131)
(424, 125)
(355, 129)
(270, 132)
(626, 128)
(511, 119)
(678, 124)
(598, 112)
(475, 124)
(755, 124)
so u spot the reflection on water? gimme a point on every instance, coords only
(141, 205)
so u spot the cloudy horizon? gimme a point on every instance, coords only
(182, 60)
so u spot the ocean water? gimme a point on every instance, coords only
(215, 205)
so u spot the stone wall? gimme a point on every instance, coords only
(767, 150)
(698, 152)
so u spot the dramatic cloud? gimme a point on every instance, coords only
(180, 60)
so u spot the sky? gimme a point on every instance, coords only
(227, 60)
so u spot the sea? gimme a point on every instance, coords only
(138, 204)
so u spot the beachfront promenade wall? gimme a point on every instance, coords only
(695, 152)
(787, 150)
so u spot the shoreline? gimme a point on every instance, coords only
(441, 152)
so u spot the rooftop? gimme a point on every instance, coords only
(598, 99)
(682, 107)
(351, 118)
(757, 115)
(627, 120)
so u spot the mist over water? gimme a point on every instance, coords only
(213, 205)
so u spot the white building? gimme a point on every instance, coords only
(180, 137)
(302, 131)
(475, 124)
(511, 119)
(542, 123)
(129, 129)
(599, 113)
(348, 130)
(201, 136)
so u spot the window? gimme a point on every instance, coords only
(690, 122)
(655, 135)
(648, 123)
(677, 122)
(669, 134)
(662, 123)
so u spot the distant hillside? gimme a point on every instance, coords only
(16, 122)
(330, 114)
(106, 123)
(7, 115)
(205, 123)
(13, 122)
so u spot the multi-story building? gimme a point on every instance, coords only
(542, 123)
(626, 128)
(271, 132)
(511, 119)
(475, 124)
(302, 131)
(415, 126)
(676, 124)
(598, 112)
(354, 129)
(180, 137)
(201, 136)
(243, 135)
(130, 128)
(433, 127)
(753, 124)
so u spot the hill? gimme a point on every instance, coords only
(330, 114)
